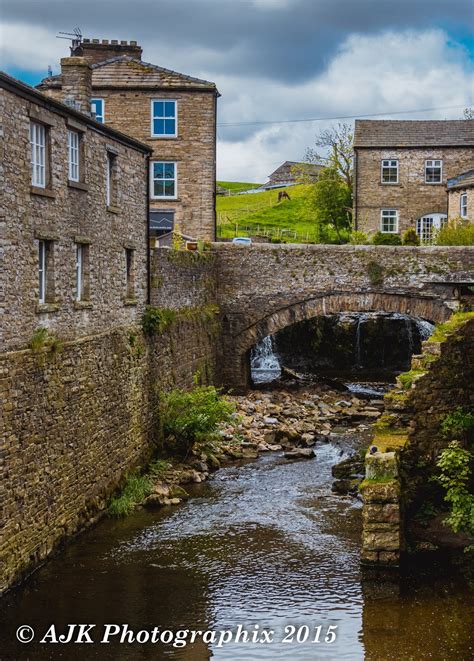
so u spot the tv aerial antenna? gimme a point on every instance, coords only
(75, 37)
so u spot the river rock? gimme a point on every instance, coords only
(346, 486)
(300, 453)
(308, 439)
(176, 491)
(270, 421)
(350, 467)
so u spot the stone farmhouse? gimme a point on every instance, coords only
(461, 196)
(286, 173)
(401, 169)
(74, 219)
(173, 113)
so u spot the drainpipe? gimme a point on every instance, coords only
(148, 249)
(355, 189)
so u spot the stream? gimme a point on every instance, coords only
(263, 543)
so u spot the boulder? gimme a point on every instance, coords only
(300, 453)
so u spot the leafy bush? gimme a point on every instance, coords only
(192, 416)
(457, 423)
(457, 232)
(157, 320)
(454, 463)
(42, 338)
(359, 238)
(411, 238)
(384, 239)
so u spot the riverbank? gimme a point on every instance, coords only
(290, 423)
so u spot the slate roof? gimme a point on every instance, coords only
(463, 180)
(125, 71)
(414, 133)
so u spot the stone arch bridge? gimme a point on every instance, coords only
(264, 288)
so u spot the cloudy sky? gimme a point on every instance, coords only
(274, 61)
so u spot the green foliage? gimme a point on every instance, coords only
(192, 416)
(411, 238)
(332, 203)
(426, 513)
(359, 238)
(157, 320)
(137, 488)
(386, 239)
(454, 463)
(43, 339)
(136, 346)
(375, 273)
(442, 331)
(407, 379)
(457, 232)
(457, 424)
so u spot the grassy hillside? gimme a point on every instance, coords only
(261, 214)
(237, 186)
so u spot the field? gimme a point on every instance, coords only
(260, 214)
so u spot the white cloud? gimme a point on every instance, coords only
(30, 47)
(370, 74)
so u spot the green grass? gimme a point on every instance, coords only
(442, 331)
(237, 186)
(136, 489)
(260, 214)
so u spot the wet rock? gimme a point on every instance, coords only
(349, 468)
(270, 421)
(308, 439)
(176, 491)
(300, 453)
(346, 486)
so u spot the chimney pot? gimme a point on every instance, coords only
(133, 43)
(124, 43)
(95, 41)
(105, 42)
(114, 42)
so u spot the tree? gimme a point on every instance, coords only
(468, 113)
(331, 200)
(338, 140)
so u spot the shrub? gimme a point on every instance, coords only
(359, 238)
(42, 338)
(157, 320)
(457, 423)
(192, 416)
(383, 239)
(457, 232)
(411, 238)
(454, 463)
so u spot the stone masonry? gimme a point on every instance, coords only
(127, 86)
(65, 214)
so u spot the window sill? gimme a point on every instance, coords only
(391, 183)
(164, 137)
(113, 209)
(130, 301)
(165, 199)
(434, 183)
(44, 192)
(46, 307)
(79, 185)
(82, 305)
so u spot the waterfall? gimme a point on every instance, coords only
(264, 362)
(425, 328)
(409, 329)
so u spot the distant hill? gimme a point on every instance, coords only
(260, 214)
(237, 186)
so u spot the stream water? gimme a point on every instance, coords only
(264, 543)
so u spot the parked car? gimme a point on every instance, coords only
(242, 240)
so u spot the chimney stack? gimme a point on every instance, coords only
(76, 82)
(96, 50)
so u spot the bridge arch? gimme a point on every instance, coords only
(237, 370)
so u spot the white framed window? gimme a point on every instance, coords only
(79, 271)
(98, 110)
(130, 273)
(164, 120)
(433, 172)
(38, 154)
(74, 155)
(427, 226)
(110, 179)
(389, 171)
(164, 179)
(463, 205)
(42, 271)
(389, 221)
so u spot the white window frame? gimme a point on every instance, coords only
(386, 163)
(79, 271)
(432, 161)
(42, 271)
(38, 154)
(99, 117)
(152, 182)
(74, 141)
(153, 117)
(463, 205)
(384, 215)
(108, 177)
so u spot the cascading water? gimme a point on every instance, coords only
(264, 362)
(425, 328)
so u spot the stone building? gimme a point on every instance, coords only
(401, 169)
(287, 173)
(173, 113)
(461, 196)
(73, 217)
